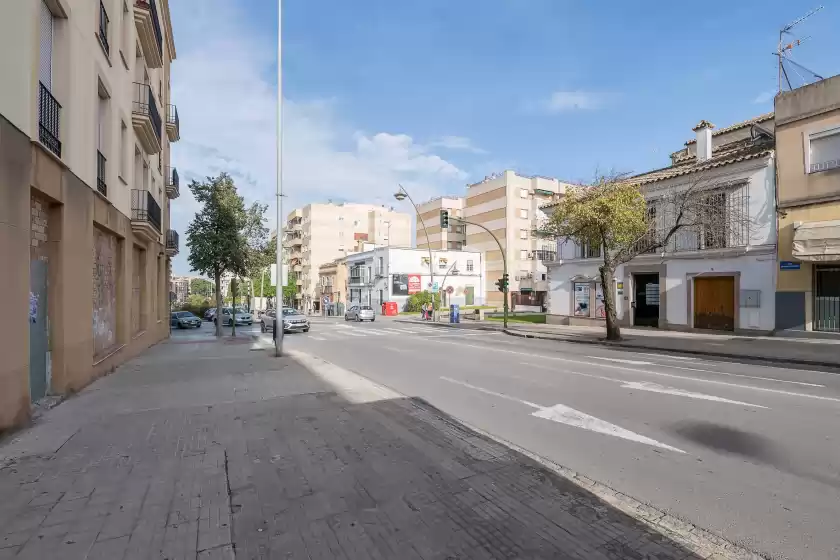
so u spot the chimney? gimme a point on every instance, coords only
(704, 140)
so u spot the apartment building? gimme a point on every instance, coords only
(453, 237)
(320, 233)
(180, 287)
(718, 274)
(509, 206)
(86, 124)
(332, 278)
(808, 152)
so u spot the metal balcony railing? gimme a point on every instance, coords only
(101, 184)
(103, 27)
(172, 116)
(545, 255)
(172, 179)
(49, 120)
(144, 208)
(151, 5)
(172, 241)
(144, 103)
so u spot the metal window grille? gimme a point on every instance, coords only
(49, 120)
(101, 185)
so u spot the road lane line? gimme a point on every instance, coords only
(623, 361)
(563, 414)
(397, 331)
(650, 387)
(648, 372)
(665, 357)
(351, 333)
(313, 337)
(375, 332)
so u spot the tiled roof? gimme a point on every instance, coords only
(744, 124)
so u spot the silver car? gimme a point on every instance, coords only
(360, 313)
(242, 317)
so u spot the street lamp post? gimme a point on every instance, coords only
(504, 263)
(401, 195)
(278, 322)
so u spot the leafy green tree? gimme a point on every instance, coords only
(201, 287)
(416, 301)
(613, 214)
(223, 232)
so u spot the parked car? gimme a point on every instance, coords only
(184, 320)
(242, 317)
(210, 314)
(360, 313)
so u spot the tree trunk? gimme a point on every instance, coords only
(218, 279)
(607, 275)
(234, 290)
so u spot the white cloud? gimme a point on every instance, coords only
(222, 83)
(568, 101)
(458, 143)
(764, 96)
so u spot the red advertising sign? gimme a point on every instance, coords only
(414, 285)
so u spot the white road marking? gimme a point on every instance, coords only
(565, 415)
(647, 386)
(656, 388)
(313, 337)
(744, 376)
(394, 349)
(352, 333)
(648, 372)
(397, 331)
(634, 362)
(665, 357)
(375, 332)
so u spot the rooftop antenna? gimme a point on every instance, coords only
(784, 49)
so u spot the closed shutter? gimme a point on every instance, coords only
(46, 47)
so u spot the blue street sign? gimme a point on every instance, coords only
(789, 265)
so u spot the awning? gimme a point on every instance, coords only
(817, 241)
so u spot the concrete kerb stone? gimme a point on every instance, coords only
(703, 543)
(692, 351)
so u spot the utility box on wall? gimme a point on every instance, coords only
(750, 298)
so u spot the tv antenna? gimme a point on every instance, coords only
(783, 53)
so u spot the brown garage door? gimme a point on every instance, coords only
(714, 303)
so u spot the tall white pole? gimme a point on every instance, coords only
(278, 325)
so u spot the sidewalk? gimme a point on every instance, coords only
(822, 352)
(208, 450)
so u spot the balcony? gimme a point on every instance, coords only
(145, 215)
(545, 255)
(148, 32)
(299, 281)
(172, 243)
(173, 123)
(101, 185)
(297, 268)
(49, 120)
(173, 187)
(146, 118)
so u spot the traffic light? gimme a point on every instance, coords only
(502, 283)
(444, 219)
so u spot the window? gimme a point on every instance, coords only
(469, 265)
(523, 213)
(442, 264)
(125, 43)
(523, 193)
(523, 254)
(46, 46)
(123, 149)
(523, 234)
(104, 21)
(823, 151)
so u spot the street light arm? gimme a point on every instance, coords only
(504, 261)
(428, 240)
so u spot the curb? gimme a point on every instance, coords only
(700, 541)
(560, 338)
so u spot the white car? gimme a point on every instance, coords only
(293, 321)
(360, 313)
(242, 317)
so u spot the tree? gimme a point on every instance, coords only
(220, 235)
(613, 214)
(201, 287)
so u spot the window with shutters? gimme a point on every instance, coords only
(46, 46)
(822, 151)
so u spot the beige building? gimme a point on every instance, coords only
(452, 238)
(333, 284)
(808, 152)
(508, 205)
(320, 233)
(86, 123)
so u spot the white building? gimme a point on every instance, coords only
(393, 274)
(722, 280)
(453, 237)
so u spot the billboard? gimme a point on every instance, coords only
(415, 286)
(399, 285)
(285, 274)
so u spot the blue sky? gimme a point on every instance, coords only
(439, 93)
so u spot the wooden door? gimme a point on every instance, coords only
(714, 303)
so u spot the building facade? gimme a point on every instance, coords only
(86, 124)
(510, 206)
(394, 274)
(320, 233)
(452, 238)
(333, 286)
(720, 278)
(180, 286)
(808, 151)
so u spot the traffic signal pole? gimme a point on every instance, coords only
(504, 263)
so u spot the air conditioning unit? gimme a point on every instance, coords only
(530, 255)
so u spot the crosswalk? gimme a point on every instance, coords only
(340, 331)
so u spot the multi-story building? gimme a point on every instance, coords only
(509, 205)
(386, 273)
(320, 233)
(333, 286)
(86, 123)
(808, 151)
(180, 286)
(453, 237)
(719, 272)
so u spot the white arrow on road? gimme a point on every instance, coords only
(571, 417)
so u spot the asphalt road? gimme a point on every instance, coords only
(749, 451)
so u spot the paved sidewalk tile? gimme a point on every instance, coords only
(274, 465)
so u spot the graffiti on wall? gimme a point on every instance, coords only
(105, 248)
